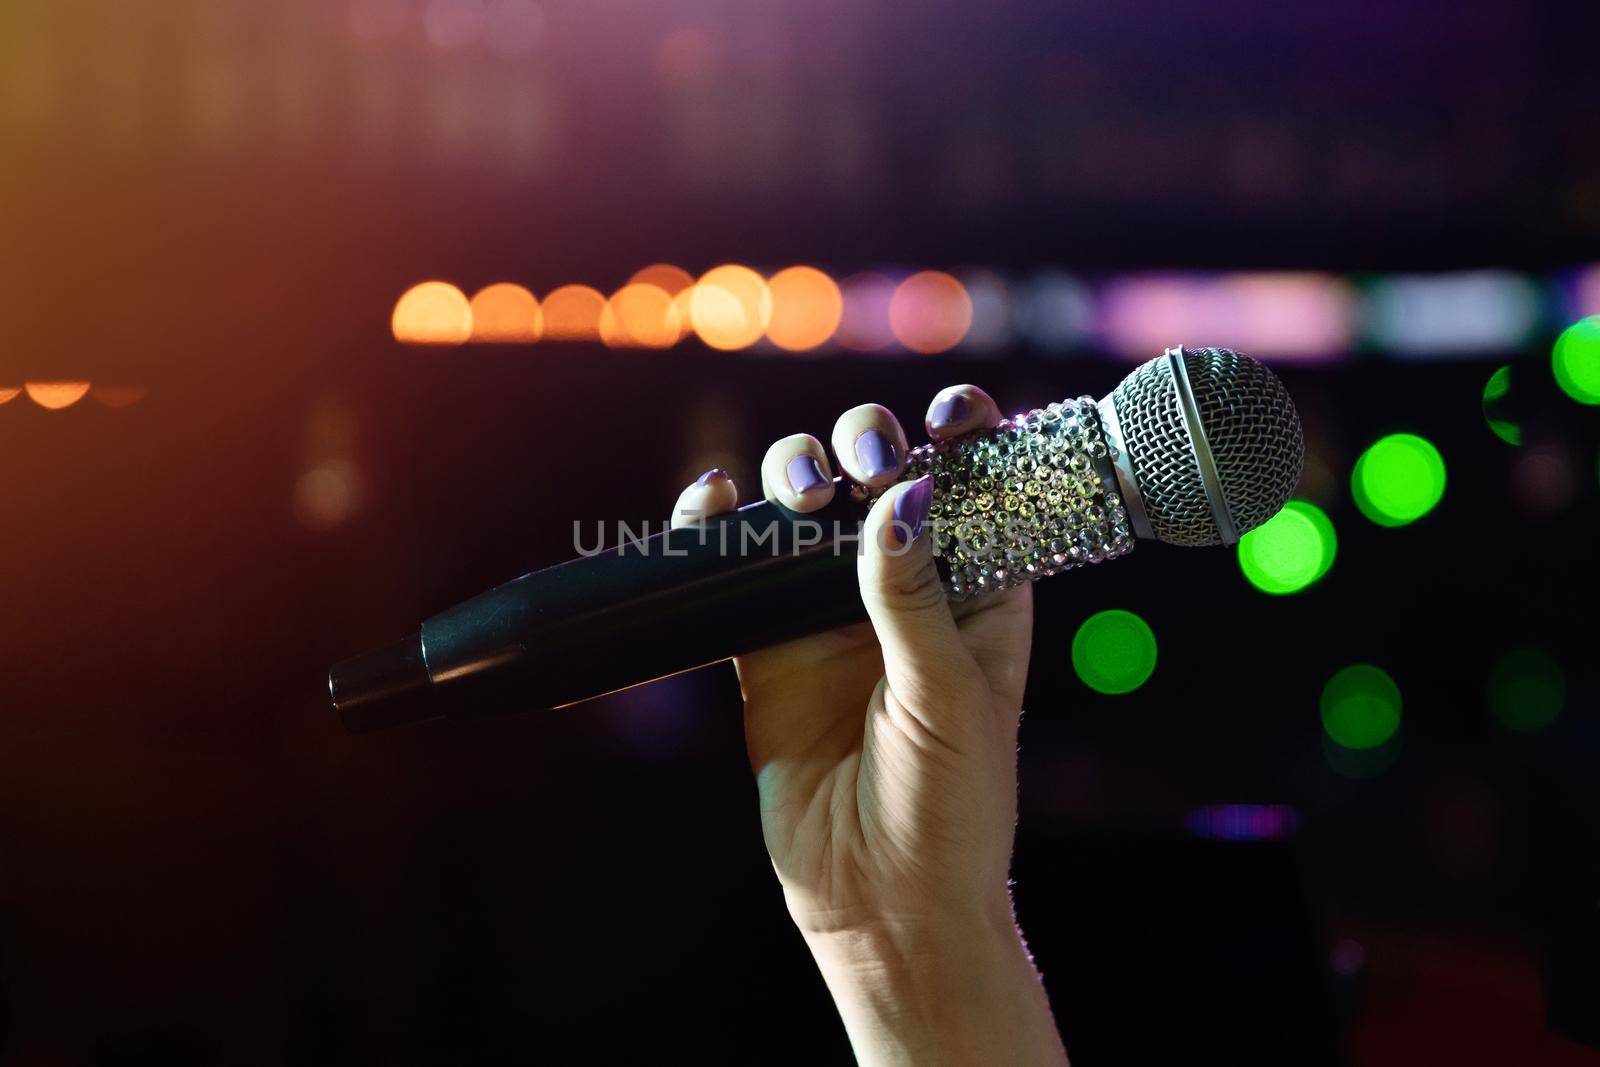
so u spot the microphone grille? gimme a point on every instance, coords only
(1250, 424)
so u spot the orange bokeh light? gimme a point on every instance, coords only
(506, 314)
(56, 395)
(119, 396)
(730, 307)
(664, 276)
(641, 316)
(930, 312)
(432, 313)
(572, 313)
(806, 308)
(9, 393)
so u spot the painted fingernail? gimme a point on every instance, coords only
(875, 452)
(911, 509)
(715, 474)
(804, 474)
(951, 411)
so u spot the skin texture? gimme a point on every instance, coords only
(885, 760)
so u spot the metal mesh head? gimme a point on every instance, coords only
(1251, 426)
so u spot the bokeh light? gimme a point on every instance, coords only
(10, 393)
(730, 307)
(432, 313)
(505, 314)
(1433, 316)
(56, 395)
(327, 495)
(1495, 393)
(806, 308)
(1289, 551)
(930, 312)
(864, 323)
(1543, 480)
(992, 313)
(1576, 360)
(664, 276)
(1055, 311)
(1360, 707)
(676, 283)
(119, 396)
(1527, 689)
(1114, 651)
(1399, 479)
(640, 316)
(572, 313)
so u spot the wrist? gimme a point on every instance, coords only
(953, 987)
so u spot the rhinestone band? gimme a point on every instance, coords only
(1032, 497)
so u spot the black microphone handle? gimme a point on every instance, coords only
(1035, 496)
(652, 607)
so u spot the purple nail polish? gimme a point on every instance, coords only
(715, 474)
(951, 411)
(876, 454)
(804, 474)
(911, 508)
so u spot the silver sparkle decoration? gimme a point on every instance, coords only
(1034, 496)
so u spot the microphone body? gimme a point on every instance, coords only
(1192, 448)
(1035, 496)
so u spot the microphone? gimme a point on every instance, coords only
(1195, 447)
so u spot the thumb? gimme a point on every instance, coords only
(924, 659)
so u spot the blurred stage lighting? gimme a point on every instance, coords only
(1496, 392)
(1360, 707)
(1398, 479)
(572, 313)
(930, 312)
(730, 307)
(640, 316)
(1443, 315)
(432, 313)
(1290, 551)
(54, 396)
(864, 321)
(992, 314)
(1543, 481)
(1527, 689)
(1243, 822)
(664, 276)
(505, 314)
(806, 309)
(10, 393)
(1114, 652)
(1299, 317)
(1576, 360)
(1055, 312)
(119, 396)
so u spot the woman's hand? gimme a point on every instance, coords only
(885, 757)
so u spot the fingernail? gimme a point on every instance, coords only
(951, 411)
(911, 508)
(804, 474)
(875, 452)
(715, 474)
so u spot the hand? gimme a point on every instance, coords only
(885, 758)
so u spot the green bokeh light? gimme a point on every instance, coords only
(1289, 551)
(1397, 480)
(1576, 360)
(1360, 707)
(1526, 690)
(1114, 651)
(1495, 393)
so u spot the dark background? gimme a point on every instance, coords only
(221, 201)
